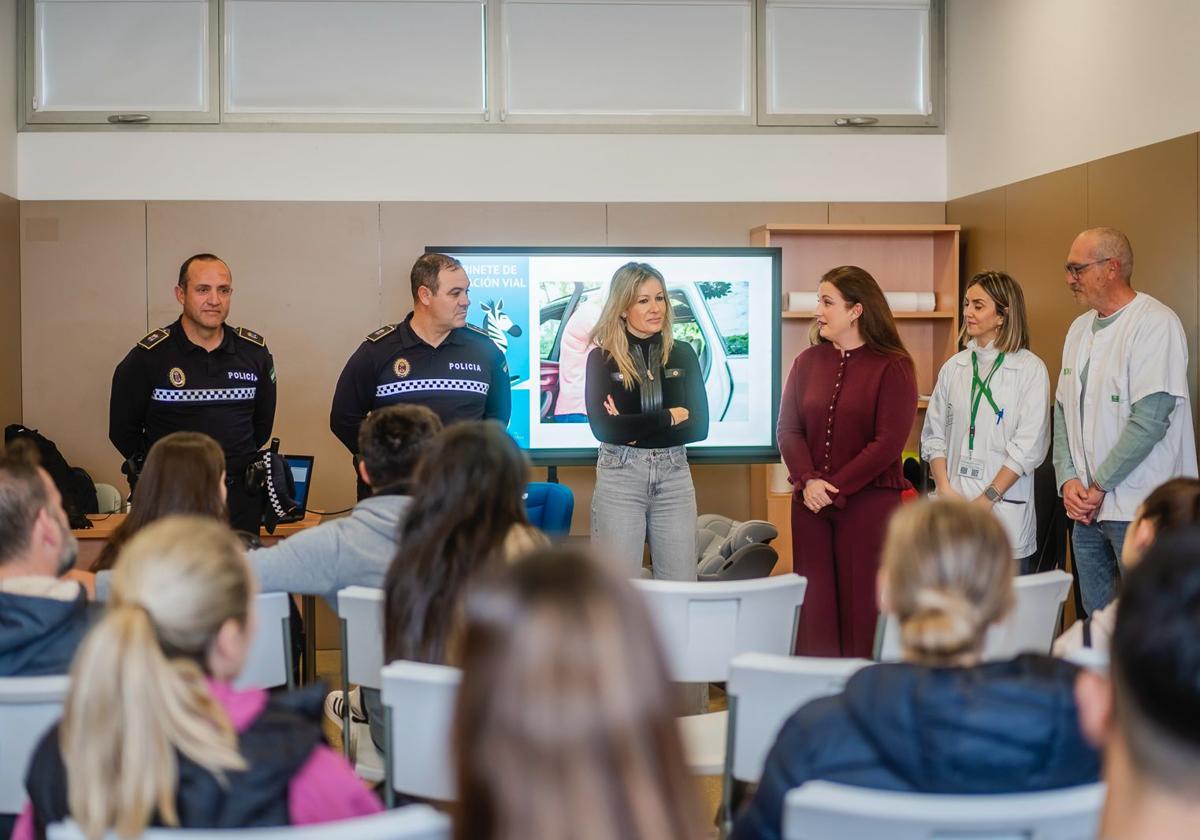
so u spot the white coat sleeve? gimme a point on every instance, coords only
(934, 431)
(1030, 441)
(1158, 361)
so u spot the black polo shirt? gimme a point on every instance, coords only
(168, 384)
(463, 378)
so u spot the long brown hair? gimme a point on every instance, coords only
(138, 693)
(182, 475)
(565, 725)
(609, 331)
(472, 481)
(876, 324)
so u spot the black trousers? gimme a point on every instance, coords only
(245, 508)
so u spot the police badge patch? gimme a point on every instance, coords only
(177, 378)
(402, 367)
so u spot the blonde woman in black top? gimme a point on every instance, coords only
(645, 399)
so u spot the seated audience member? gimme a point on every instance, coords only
(1172, 505)
(356, 550)
(1144, 712)
(468, 515)
(152, 731)
(941, 721)
(564, 683)
(184, 474)
(42, 618)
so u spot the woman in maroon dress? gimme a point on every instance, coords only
(847, 410)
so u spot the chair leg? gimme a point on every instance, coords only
(345, 692)
(288, 662)
(725, 810)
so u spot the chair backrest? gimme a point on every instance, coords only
(703, 626)
(764, 690)
(28, 707)
(1029, 628)
(269, 661)
(361, 610)
(823, 810)
(418, 704)
(550, 507)
(412, 822)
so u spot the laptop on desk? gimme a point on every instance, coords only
(301, 468)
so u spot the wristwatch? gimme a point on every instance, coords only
(993, 495)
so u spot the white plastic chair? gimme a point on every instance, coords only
(269, 661)
(418, 712)
(703, 626)
(28, 707)
(360, 611)
(1029, 628)
(412, 822)
(820, 810)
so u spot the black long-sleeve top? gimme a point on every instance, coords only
(168, 384)
(682, 387)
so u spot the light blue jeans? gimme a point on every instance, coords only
(645, 494)
(1097, 552)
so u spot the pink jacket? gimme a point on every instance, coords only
(325, 788)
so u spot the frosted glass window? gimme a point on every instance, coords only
(685, 57)
(346, 56)
(121, 55)
(848, 57)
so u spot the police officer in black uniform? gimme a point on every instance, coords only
(200, 375)
(433, 357)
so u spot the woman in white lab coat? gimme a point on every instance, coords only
(988, 423)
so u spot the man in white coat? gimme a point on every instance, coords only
(1122, 415)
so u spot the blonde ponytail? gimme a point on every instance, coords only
(947, 573)
(138, 693)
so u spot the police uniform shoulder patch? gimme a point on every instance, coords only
(251, 336)
(154, 338)
(478, 330)
(385, 330)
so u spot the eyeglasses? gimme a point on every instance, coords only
(1075, 269)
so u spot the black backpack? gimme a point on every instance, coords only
(76, 486)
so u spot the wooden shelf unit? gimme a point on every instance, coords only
(902, 258)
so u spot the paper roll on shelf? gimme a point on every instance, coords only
(801, 301)
(911, 301)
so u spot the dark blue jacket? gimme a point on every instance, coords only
(1000, 727)
(38, 636)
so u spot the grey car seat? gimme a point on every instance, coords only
(732, 550)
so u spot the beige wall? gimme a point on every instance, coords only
(1035, 86)
(1027, 227)
(10, 311)
(314, 278)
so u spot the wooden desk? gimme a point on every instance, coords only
(92, 541)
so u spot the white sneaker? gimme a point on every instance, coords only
(333, 707)
(368, 763)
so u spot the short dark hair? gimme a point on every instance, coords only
(391, 440)
(183, 269)
(426, 269)
(1155, 660)
(22, 495)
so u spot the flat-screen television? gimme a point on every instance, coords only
(726, 305)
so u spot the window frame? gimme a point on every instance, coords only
(27, 81)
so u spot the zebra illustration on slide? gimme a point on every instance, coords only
(498, 325)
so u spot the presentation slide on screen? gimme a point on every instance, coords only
(539, 307)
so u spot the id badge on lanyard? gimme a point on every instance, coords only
(969, 466)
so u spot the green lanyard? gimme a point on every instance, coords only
(980, 389)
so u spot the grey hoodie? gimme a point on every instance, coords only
(355, 550)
